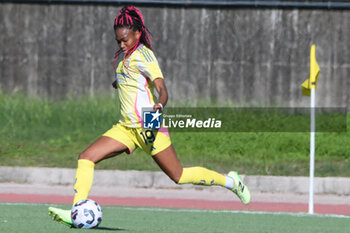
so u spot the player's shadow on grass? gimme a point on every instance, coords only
(106, 229)
(110, 229)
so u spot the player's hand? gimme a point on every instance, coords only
(158, 107)
(114, 84)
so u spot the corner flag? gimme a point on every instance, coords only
(309, 89)
(311, 82)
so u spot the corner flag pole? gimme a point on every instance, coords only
(309, 88)
(312, 150)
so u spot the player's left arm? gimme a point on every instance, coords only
(163, 94)
(115, 85)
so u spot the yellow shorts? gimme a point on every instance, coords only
(152, 141)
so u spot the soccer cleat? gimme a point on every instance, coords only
(239, 188)
(61, 216)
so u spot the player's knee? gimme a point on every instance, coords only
(86, 155)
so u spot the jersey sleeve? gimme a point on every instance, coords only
(148, 65)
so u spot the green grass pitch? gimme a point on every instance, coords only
(20, 217)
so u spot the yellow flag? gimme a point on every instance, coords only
(311, 82)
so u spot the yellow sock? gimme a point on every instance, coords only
(84, 177)
(202, 176)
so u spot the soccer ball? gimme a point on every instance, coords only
(86, 214)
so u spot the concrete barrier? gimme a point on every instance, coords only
(148, 179)
(258, 56)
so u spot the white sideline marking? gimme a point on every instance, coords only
(235, 212)
(25, 203)
(150, 209)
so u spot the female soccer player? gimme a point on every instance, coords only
(136, 77)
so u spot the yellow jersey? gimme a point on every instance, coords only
(135, 78)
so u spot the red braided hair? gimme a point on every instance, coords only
(130, 17)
